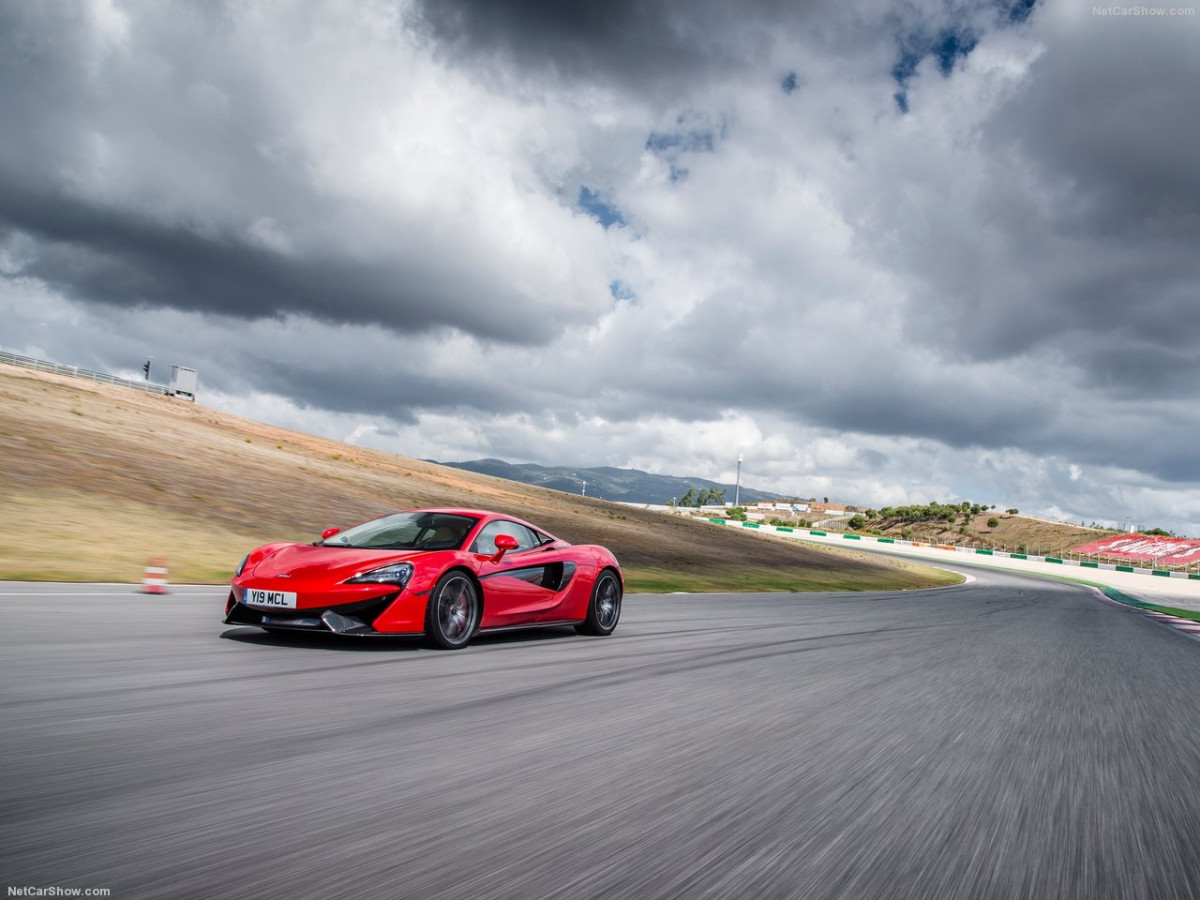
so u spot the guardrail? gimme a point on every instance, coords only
(974, 551)
(42, 365)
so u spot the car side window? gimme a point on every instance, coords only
(485, 541)
(445, 533)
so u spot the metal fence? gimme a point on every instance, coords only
(42, 366)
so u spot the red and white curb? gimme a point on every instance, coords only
(1187, 626)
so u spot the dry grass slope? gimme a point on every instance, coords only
(1013, 532)
(95, 479)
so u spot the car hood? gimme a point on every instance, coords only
(309, 562)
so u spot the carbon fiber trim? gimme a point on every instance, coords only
(565, 623)
(553, 576)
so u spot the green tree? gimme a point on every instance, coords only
(689, 498)
(993, 522)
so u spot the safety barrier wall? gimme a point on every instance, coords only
(42, 366)
(973, 551)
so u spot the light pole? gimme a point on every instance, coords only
(737, 485)
(579, 481)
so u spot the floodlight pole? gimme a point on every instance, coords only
(737, 486)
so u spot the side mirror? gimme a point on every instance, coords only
(329, 532)
(504, 543)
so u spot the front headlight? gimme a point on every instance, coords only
(241, 565)
(397, 574)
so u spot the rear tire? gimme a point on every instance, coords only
(604, 609)
(452, 615)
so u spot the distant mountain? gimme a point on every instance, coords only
(606, 482)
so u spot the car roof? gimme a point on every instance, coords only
(454, 511)
(475, 513)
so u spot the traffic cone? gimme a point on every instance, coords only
(155, 579)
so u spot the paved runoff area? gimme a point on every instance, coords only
(1009, 737)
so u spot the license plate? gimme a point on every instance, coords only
(274, 599)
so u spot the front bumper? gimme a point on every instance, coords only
(357, 618)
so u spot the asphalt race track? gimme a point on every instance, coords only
(1007, 738)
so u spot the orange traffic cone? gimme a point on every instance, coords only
(155, 579)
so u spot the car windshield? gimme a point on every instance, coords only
(406, 531)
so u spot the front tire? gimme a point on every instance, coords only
(604, 609)
(453, 612)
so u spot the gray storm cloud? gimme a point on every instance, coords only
(156, 159)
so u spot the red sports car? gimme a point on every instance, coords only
(447, 574)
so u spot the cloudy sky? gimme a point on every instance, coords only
(893, 250)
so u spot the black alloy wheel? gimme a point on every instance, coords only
(605, 607)
(453, 612)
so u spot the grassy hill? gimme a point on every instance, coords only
(95, 479)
